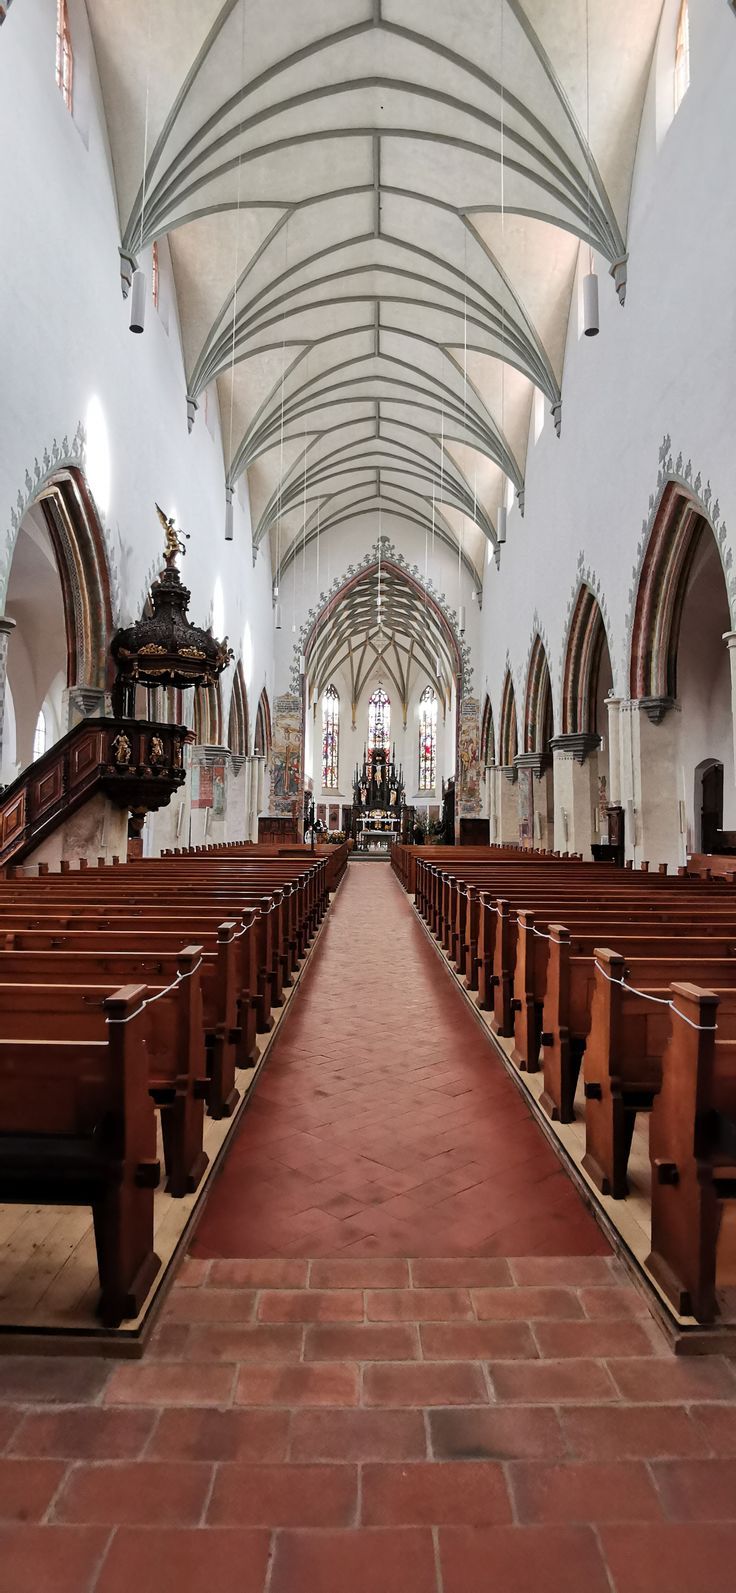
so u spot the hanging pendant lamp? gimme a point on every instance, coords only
(461, 619)
(228, 514)
(138, 301)
(501, 523)
(590, 304)
(277, 617)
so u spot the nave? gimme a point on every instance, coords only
(400, 1354)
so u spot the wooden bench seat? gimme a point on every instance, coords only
(78, 1127)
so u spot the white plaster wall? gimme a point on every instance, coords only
(65, 340)
(664, 364)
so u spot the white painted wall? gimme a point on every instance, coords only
(663, 365)
(66, 342)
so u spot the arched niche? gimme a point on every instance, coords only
(487, 737)
(680, 676)
(262, 735)
(238, 729)
(536, 774)
(581, 751)
(58, 595)
(508, 737)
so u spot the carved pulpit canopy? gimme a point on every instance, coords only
(165, 648)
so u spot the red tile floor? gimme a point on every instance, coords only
(401, 1358)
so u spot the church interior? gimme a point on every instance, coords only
(367, 796)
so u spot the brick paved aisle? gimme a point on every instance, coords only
(400, 1360)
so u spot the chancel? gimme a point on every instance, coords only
(368, 796)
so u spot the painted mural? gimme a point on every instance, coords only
(468, 804)
(286, 775)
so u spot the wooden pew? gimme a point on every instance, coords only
(692, 1147)
(79, 1128)
(622, 1067)
(32, 983)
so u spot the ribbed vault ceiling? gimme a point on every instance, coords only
(374, 209)
(383, 628)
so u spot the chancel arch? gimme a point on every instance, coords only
(58, 598)
(682, 669)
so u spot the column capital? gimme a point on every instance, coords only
(655, 708)
(536, 761)
(6, 624)
(729, 637)
(578, 744)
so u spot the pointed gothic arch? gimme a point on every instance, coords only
(538, 712)
(508, 732)
(208, 715)
(262, 736)
(678, 527)
(487, 736)
(587, 642)
(238, 730)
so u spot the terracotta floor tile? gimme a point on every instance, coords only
(424, 1384)
(284, 1495)
(50, 1559)
(135, 1493)
(220, 1435)
(316, 1384)
(362, 1341)
(84, 1434)
(697, 1490)
(496, 1434)
(361, 1562)
(183, 1561)
(27, 1487)
(473, 1494)
(674, 1558)
(522, 1560)
(358, 1435)
(583, 1491)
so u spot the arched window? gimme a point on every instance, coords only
(39, 736)
(64, 56)
(427, 739)
(682, 55)
(155, 275)
(330, 738)
(379, 721)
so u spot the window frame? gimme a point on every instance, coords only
(428, 712)
(331, 727)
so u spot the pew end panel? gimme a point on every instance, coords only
(692, 1146)
(79, 1128)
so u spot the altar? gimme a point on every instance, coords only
(376, 832)
(378, 799)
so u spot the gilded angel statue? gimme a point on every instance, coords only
(173, 539)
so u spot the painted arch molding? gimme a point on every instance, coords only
(374, 210)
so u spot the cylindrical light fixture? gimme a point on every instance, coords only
(501, 523)
(438, 667)
(302, 664)
(461, 618)
(590, 305)
(277, 617)
(228, 514)
(138, 301)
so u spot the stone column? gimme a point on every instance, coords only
(508, 804)
(575, 789)
(7, 625)
(652, 786)
(729, 638)
(613, 707)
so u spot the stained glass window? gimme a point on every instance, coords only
(330, 738)
(427, 739)
(379, 720)
(64, 56)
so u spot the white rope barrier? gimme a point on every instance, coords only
(149, 1000)
(662, 1001)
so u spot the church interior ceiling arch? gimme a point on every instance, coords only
(374, 212)
(383, 626)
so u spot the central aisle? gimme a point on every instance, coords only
(384, 1124)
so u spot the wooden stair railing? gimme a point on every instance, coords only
(136, 763)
